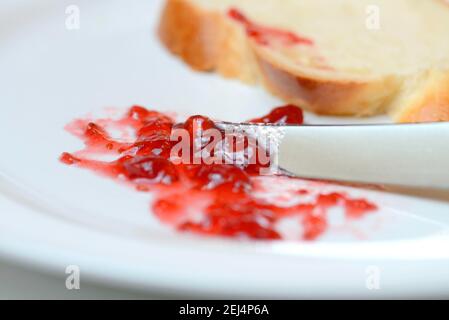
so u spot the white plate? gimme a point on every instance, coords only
(53, 216)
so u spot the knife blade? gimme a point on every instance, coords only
(414, 155)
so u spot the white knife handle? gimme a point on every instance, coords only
(409, 155)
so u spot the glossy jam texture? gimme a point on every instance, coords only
(265, 35)
(228, 200)
(289, 114)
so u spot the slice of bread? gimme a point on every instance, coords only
(335, 57)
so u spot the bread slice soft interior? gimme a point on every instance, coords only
(353, 57)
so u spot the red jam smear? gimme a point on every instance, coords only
(264, 35)
(226, 200)
(289, 114)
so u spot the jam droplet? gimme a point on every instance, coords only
(152, 169)
(68, 158)
(154, 145)
(222, 177)
(314, 226)
(198, 123)
(154, 127)
(289, 114)
(356, 208)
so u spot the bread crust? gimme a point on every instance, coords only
(207, 41)
(329, 97)
(429, 109)
(424, 98)
(210, 41)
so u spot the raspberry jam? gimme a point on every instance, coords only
(265, 35)
(224, 199)
(288, 114)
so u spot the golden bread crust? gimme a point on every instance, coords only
(207, 41)
(425, 98)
